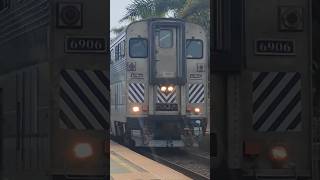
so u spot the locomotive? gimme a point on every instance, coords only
(53, 90)
(159, 83)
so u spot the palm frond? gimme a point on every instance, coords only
(193, 7)
(142, 9)
(117, 30)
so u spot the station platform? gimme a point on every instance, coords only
(126, 164)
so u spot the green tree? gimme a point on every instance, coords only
(117, 30)
(142, 9)
(196, 11)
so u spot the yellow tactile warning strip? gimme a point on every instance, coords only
(128, 165)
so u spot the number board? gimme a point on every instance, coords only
(85, 45)
(275, 47)
(166, 107)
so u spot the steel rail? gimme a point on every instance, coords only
(186, 171)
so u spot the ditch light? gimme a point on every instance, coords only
(83, 150)
(135, 109)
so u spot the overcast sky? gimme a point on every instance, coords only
(117, 11)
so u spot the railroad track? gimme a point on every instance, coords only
(196, 167)
(204, 158)
(188, 161)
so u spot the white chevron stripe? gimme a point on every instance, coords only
(69, 113)
(136, 96)
(165, 98)
(198, 87)
(172, 99)
(263, 85)
(271, 97)
(161, 100)
(284, 103)
(294, 112)
(141, 86)
(131, 99)
(281, 106)
(198, 95)
(99, 84)
(82, 107)
(92, 98)
(83, 87)
(169, 94)
(139, 90)
(197, 90)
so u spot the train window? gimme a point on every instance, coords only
(165, 38)
(112, 54)
(122, 49)
(116, 94)
(4, 5)
(194, 49)
(138, 48)
(117, 53)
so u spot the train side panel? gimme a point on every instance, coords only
(41, 130)
(39, 100)
(25, 123)
(118, 86)
(24, 34)
(197, 74)
(138, 89)
(80, 92)
(80, 118)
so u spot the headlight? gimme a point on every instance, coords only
(135, 109)
(279, 153)
(196, 110)
(163, 88)
(83, 150)
(170, 88)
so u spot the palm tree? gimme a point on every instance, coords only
(117, 30)
(142, 9)
(196, 11)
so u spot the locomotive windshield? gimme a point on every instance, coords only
(138, 48)
(194, 49)
(165, 38)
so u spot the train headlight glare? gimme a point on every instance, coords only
(197, 110)
(135, 109)
(83, 150)
(163, 88)
(279, 153)
(170, 88)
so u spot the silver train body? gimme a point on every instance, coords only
(54, 102)
(263, 121)
(159, 83)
